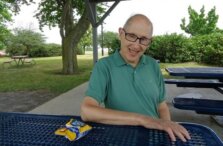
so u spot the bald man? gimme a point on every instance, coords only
(127, 88)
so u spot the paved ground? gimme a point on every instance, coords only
(23, 101)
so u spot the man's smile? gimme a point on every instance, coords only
(133, 52)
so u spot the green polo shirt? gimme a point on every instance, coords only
(121, 87)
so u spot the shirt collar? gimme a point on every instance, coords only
(119, 61)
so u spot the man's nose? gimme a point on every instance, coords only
(137, 44)
(137, 41)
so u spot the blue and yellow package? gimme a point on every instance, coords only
(73, 130)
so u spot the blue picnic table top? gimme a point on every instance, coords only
(29, 129)
(197, 72)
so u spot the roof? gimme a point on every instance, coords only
(98, 1)
(91, 6)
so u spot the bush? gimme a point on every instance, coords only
(38, 52)
(53, 49)
(170, 48)
(114, 45)
(16, 49)
(80, 51)
(46, 50)
(208, 48)
(175, 48)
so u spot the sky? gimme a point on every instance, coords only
(165, 15)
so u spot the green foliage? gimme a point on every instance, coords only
(46, 50)
(114, 45)
(22, 41)
(85, 42)
(7, 8)
(1, 46)
(208, 48)
(14, 5)
(5, 16)
(108, 38)
(71, 18)
(175, 48)
(199, 24)
(39, 51)
(28, 42)
(170, 48)
(53, 49)
(50, 12)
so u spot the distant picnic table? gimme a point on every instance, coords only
(20, 60)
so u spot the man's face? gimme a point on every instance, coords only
(134, 41)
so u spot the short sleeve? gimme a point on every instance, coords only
(162, 89)
(97, 87)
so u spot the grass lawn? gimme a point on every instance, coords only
(46, 74)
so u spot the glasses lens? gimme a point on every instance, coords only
(131, 37)
(145, 41)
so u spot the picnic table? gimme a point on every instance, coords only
(200, 77)
(204, 77)
(32, 129)
(19, 59)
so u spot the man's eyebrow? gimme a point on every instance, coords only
(138, 35)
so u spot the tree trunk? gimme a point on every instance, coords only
(69, 58)
(71, 34)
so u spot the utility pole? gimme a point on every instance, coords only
(102, 40)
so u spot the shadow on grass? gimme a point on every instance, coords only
(59, 72)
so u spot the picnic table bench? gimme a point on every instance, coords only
(199, 83)
(8, 62)
(200, 106)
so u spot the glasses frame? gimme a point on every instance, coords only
(137, 38)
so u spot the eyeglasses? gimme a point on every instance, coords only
(133, 38)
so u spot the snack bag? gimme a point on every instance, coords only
(73, 130)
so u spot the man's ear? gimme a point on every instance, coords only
(120, 31)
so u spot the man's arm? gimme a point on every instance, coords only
(164, 112)
(92, 111)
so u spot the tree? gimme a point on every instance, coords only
(5, 17)
(7, 8)
(61, 13)
(85, 42)
(23, 40)
(108, 38)
(199, 24)
(72, 19)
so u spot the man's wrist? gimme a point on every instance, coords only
(143, 120)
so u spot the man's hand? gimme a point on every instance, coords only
(91, 111)
(172, 128)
